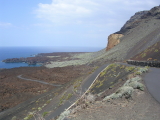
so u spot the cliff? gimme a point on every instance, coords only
(139, 32)
(113, 40)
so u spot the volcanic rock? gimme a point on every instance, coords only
(137, 18)
(113, 40)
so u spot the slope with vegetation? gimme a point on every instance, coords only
(119, 90)
(108, 87)
(116, 93)
(140, 32)
(150, 54)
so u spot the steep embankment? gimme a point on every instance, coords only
(140, 32)
(149, 54)
(113, 40)
(131, 100)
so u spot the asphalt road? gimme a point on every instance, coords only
(85, 86)
(152, 81)
(20, 77)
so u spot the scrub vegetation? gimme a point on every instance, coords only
(112, 74)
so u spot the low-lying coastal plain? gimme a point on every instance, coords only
(118, 90)
(14, 90)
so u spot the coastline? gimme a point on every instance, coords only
(18, 91)
(24, 52)
(51, 60)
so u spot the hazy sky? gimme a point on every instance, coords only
(65, 22)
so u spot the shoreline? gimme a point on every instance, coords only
(13, 88)
(45, 59)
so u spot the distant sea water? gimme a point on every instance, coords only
(17, 52)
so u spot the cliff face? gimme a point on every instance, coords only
(138, 17)
(140, 32)
(133, 22)
(113, 40)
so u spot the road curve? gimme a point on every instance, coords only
(69, 102)
(55, 85)
(152, 81)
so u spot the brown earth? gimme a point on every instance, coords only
(138, 37)
(14, 91)
(113, 40)
(141, 106)
(110, 79)
(150, 54)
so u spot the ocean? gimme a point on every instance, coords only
(17, 52)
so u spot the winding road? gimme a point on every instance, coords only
(85, 86)
(12, 112)
(152, 81)
(20, 77)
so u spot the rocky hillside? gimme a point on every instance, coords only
(137, 18)
(140, 32)
(138, 39)
(150, 54)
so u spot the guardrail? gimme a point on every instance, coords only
(144, 63)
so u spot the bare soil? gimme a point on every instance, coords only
(150, 54)
(142, 106)
(14, 91)
(110, 78)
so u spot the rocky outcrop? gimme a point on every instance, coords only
(113, 40)
(137, 17)
(132, 22)
(154, 12)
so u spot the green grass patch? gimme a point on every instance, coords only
(69, 96)
(48, 101)
(65, 97)
(95, 68)
(156, 50)
(129, 69)
(143, 55)
(45, 113)
(111, 67)
(29, 116)
(76, 85)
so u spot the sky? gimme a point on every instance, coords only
(78, 23)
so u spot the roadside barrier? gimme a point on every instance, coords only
(144, 63)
